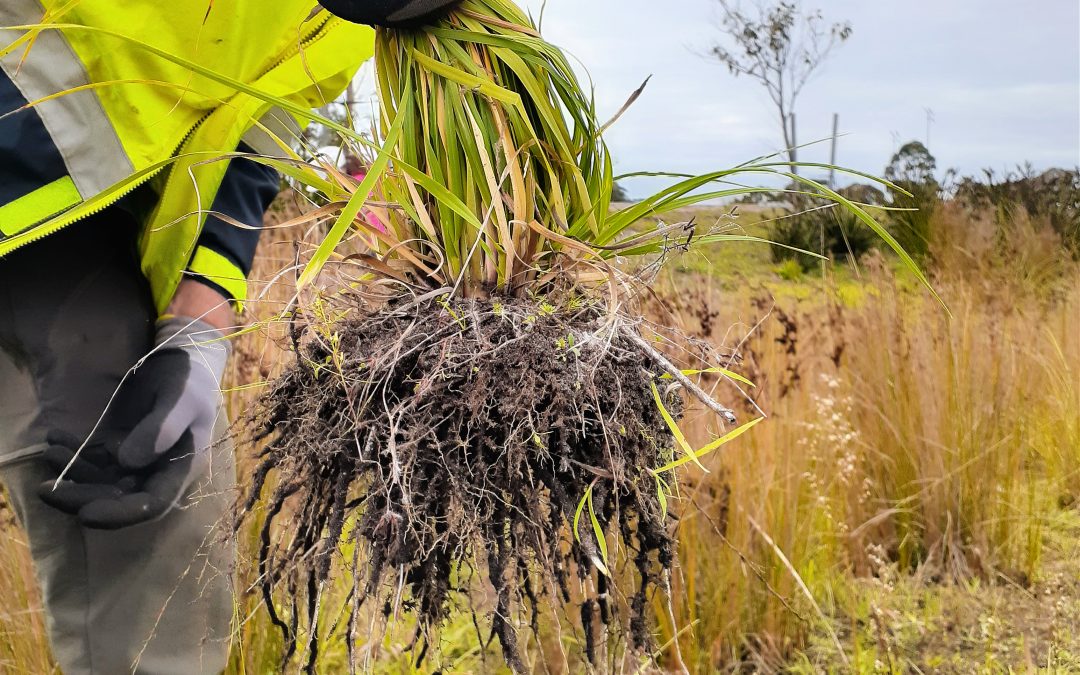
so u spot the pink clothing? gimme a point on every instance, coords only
(369, 217)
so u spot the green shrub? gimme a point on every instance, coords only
(823, 230)
(789, 270)
(912, 170)
(912, 227)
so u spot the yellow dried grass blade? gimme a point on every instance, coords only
(722, 371)
(711, 447)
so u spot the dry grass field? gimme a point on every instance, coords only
(909, 506)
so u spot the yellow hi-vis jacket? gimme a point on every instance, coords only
(113, 85)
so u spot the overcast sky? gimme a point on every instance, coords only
(1002, 77)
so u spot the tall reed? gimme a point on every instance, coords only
(900, 438)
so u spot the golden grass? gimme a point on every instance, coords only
(898, 438)
(22, 623)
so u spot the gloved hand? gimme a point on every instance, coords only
(156, 437)
(390, 13)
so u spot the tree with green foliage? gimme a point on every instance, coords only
(912, 170)
(912, 164)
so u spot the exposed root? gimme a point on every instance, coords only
(440, 437)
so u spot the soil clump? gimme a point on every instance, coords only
(430, 438)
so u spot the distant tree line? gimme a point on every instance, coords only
(1050, 197)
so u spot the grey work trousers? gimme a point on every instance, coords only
(75, 315)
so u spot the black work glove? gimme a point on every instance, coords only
(156, 437)
(390, 13)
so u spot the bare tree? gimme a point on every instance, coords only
(781, 46)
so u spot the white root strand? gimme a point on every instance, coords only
(670, 368)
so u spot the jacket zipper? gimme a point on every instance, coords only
(40, 231)
(316, 33)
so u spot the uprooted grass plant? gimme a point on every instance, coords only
(476, 393)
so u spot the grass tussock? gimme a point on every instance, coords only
(408, 468)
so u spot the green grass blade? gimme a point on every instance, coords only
(674, 428)
(601, 539)
(355, 204)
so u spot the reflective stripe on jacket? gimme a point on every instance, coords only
(129, 112)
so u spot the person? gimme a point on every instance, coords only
(355, 169)
(129, 216)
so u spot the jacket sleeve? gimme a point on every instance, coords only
(390, 13)
(226, 247)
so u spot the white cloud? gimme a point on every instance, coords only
(1003, 79)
